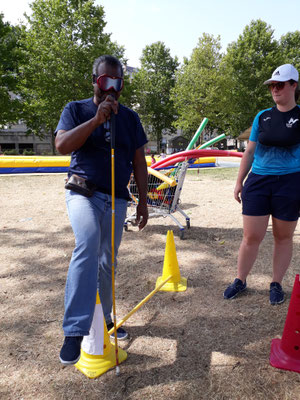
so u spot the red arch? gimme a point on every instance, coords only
(181, 156)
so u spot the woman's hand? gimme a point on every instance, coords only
(238, 191)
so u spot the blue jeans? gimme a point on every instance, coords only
(90, 266)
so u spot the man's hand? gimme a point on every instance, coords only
(141, 178)
(141, 215)
(105, 108)
(68, 141)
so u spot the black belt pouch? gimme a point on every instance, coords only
(80, 185)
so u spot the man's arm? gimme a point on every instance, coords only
(68, 141)
(141, 177)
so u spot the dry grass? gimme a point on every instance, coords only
(191, 345)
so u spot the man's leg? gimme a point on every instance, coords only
(105, 276)
(81, 286)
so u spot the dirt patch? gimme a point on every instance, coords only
(190, 345)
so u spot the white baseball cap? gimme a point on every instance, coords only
(284, 73)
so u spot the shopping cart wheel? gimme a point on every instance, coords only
(188, 223)
(181, 235)
(126, 227)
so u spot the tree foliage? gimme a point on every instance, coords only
(247, 64)
(290, 48)
(60, 43)
(153, 84)
(196, 91)
(9, 60)
(47, 63)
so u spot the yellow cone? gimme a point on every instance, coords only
(97, 352)
(176, 283)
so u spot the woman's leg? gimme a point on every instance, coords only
(283, 232)
(255, 228)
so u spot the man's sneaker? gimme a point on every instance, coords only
(234, 289)
(70, 351)
(276, 294)
(121, 333)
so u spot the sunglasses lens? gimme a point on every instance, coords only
(277, 85)
(106, 83)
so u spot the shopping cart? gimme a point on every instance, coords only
(163, 196)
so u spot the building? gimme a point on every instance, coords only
(243, 139)
(15, 138)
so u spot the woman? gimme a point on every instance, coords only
(153, 161)
(273, 185)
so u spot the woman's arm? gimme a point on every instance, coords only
(245, 167)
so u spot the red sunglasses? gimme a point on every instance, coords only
(277, 85)
(107, 82)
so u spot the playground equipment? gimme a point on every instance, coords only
(285, 352)
(211, 142)
(97, 352)
(202, 146)
(192, 154)
(164, 189)
(197, 134)
(162, 197)
(33, 164)
(176, 283)
(201, 162)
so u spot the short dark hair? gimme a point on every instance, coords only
(107, 59)
(297, 91)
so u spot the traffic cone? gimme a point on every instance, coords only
(97, 353)
(176, 283)
(285, 352)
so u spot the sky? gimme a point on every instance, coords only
(179, 23)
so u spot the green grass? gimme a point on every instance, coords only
(217, 174)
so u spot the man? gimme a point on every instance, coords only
(83, 130)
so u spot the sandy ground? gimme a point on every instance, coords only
(190, 345)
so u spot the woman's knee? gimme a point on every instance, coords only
(252, 239)
(283, 238)
(283, 231)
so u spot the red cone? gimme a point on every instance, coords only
(285, 352)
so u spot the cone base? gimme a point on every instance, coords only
(93, 366)
(172, 286)
(279, 359)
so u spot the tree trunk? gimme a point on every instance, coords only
(158, 143)
(52, 142)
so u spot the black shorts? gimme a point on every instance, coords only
(276, 195)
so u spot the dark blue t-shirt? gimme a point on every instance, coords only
(93, 160)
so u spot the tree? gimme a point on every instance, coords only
(196, 91)
(127, 94)
(248, 63)
(153, 84)
(61, 41)
(10, 56)
(290, 44)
